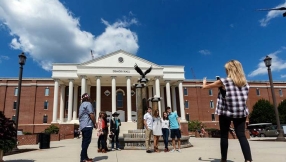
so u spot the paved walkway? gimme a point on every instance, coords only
(204, 150)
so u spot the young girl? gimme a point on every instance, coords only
(157, 129)
(165, 130)
(100, 133)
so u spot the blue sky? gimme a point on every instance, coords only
(200, 35)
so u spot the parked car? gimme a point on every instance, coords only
(269, 131)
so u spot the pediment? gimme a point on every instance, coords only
(119, 59)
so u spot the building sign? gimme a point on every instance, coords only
(121, 71)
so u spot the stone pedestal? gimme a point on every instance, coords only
(135, 140)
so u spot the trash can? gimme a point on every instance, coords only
(44, 140)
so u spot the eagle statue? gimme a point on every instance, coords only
(143, 75)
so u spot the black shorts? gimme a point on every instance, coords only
(175, 133)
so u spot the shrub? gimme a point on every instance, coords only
(8, 133)
(27, 133)
(194, 125)
(52, 129)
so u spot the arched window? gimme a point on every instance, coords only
(119, 99)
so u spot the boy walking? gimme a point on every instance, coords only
(175, 129)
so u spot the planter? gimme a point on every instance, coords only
(1, 155)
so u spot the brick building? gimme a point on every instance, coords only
(109, 80)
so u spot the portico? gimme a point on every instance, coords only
(109, 81)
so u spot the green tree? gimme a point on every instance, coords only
(194, 125)
(282, 112)
(263, 112)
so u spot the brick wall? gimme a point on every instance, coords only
(27, 139)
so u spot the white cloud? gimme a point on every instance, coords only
(50, 33)
(271, 15)
(204, 52)
(276, 65)
(3, 58)
(283, 76)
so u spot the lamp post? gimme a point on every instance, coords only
(267, 62)
(22, 60)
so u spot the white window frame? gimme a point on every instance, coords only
(213, 117)
(47, 105)
(47, 91)
(186, 101)
(16, 91)
(186, 89)
(210, 92)
(280, 92)
(257, 92)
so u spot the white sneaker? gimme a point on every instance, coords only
(118, 149)
(173, 150)
(112, 149)
(179, 150)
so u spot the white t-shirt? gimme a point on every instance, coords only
(149, 120)
(165, 124)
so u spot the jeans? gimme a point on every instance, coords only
(165, 136)
(86, 139)
(239, 127)
(101, 142)
(115, 135)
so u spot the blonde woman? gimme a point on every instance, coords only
(157, 129)
(231, 106)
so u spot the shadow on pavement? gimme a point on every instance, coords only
(100, 158)
(212, 160)
(20, 160)
(19, 151)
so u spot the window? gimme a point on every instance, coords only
(15, 105)
(188, 117)
(46, 104)
(185, 91)
(14, 118)
(280, 92)
(211, 104)
(257, 92)
(45, 119)
(94, 104)
(16, 91)
(119, 99)
(47, 91)
(186, 104)
(213, 117)
(210, 92)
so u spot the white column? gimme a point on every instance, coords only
(113, 92)
(70, 99)
(181, 96)
(174, 98)
(88, 89)
(75, 100)
(150, 94)
(128, 87)
(98, 96)
(62, 103)
(83, 84)
(56, 96)
(157, 83)
(168, 93)
(163, 99)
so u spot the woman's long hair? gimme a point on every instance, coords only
(156, 114)
(234, 71)
(165, 118)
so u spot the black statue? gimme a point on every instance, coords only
(143, 75)
(279, 9)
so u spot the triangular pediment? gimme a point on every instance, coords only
(119, 59)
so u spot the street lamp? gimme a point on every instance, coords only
(22, 61)
(267, 62)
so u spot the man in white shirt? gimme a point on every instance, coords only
(148, 123)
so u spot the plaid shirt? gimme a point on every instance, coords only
(234, 103)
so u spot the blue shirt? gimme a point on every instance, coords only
(173, 120)
(84, 119)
